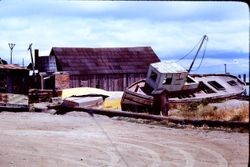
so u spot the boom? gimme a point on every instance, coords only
(203, 39)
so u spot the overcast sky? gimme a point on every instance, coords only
(172, 29)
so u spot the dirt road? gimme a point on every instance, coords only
(77, 139)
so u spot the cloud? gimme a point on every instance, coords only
(167, 39)
(171, 28)
(216, 65)
(157, 10)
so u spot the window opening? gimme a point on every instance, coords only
(216, 85)
(190, 80)
(232, 83)
(167, 81)
(153, 76)
(205, 88)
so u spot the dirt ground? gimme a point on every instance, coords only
(77, 139)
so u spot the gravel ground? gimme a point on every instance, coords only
(77, 139)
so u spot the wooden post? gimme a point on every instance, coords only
(161, 105)
(42, 81)
(156, 105)
(244, 78)
(164, 104)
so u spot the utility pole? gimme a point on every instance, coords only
(225, 68)
(32, 62)
(23, 62)
(11, 45)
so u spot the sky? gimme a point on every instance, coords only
(171, 28)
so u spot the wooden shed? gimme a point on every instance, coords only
(111, 69)
(13, 79)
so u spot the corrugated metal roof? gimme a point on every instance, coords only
(104, 60)
(11, 67)
(168, 67)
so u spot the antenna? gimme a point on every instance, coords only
(11, 45)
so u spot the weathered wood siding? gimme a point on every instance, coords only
(14, 81)
(110, 82)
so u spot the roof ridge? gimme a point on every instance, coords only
(122, 47)
(104, 60)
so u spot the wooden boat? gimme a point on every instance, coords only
(84, 101)
(167, 82)
(141, 95)
(83, 97)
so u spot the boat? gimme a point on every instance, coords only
(86, 97)
(169, 83)
(179, 87)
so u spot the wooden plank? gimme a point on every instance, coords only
(199, 123)
(137, 99)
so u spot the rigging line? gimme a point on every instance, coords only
(110, 140)
(203, 55)
(189, 51)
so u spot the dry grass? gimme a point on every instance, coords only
(208, 112)
(112, 104)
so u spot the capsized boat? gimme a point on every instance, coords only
(171, 81)
(83, 97)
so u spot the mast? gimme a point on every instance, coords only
(203, 39)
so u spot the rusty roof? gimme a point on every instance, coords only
(104, 60)
(11, 67)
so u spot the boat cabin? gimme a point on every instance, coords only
(170, 76)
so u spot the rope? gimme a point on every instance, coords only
(189, 51)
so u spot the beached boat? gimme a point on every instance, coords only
(83, 97)
(179, 87)
(168, 82)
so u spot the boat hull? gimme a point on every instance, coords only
(138, 99)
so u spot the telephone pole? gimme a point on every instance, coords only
(11, 45)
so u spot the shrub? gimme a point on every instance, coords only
(209, 112)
